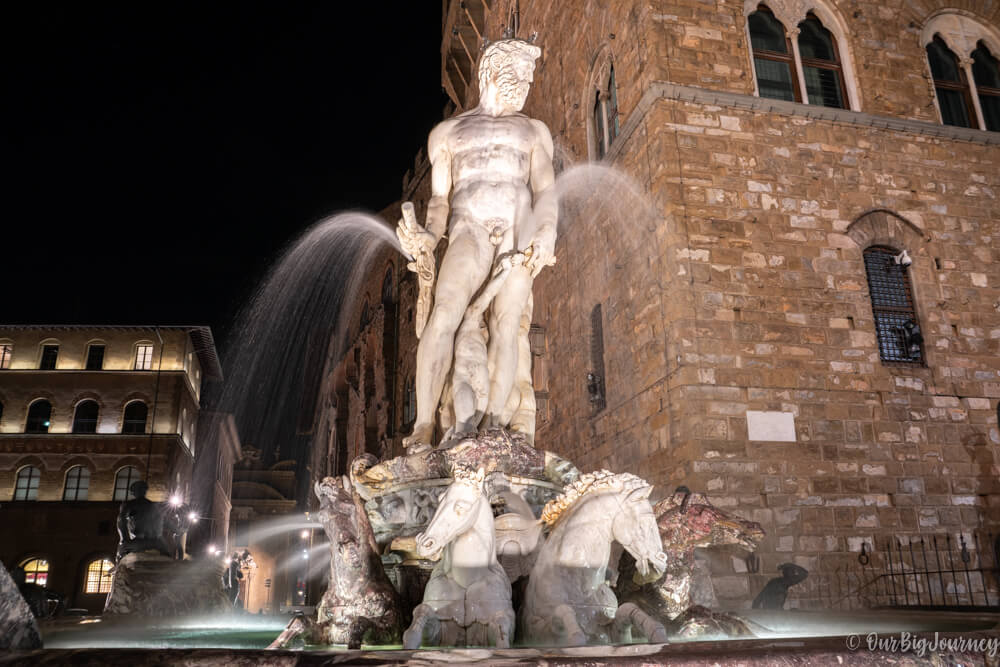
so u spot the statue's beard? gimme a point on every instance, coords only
(511, 91)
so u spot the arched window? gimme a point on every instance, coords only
(26, 487)
(85, 417)
(134, 417)
(98, 576)
(606, 123)
(123, 480)
(962, 53)
(986, 74)
(77, 483)
(36, 571)
(39, 415)
(773, 58)
(899, 336)
(821, 65)
(950, 84)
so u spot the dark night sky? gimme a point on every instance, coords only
(159, 156)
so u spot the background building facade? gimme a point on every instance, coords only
(86, 411)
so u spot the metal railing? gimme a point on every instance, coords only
(939, 572)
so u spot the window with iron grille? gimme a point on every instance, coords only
(595, 378)
(6, 352)
(899, 337)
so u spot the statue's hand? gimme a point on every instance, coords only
(542, 255)
(414, 239)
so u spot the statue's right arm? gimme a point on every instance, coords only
(440, 158)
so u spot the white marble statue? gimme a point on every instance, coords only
(568, 601)
(470, 379)
(467, 601)
(492, 191)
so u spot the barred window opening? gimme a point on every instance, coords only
(896, 325)
(595, 378)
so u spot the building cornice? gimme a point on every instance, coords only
(662, 90)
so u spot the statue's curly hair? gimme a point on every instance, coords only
(500, 53)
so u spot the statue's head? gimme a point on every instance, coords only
(506, 70)
(139, 489)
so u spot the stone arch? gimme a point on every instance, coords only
(29, 460)
(129, 460)
(884, 227)
(961, 30)
(77, 460)
(87, 396)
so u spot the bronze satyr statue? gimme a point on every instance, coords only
(140, 523)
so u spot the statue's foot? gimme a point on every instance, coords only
(419, 441)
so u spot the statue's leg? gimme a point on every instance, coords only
(505, 325)
(629, 615)
(520, 409)
(425, 628)
(465, 266)
(572, 633)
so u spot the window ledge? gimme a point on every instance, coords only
(670, 91)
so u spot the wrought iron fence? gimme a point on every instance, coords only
(918, 572)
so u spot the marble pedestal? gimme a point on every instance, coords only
(150, 584)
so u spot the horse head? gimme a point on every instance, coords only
(688, 520)
(634, 527)
(456, 513)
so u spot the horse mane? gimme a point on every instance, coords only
(588, 483)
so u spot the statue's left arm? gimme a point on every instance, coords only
(546, 210)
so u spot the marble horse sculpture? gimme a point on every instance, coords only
(687, 521)
(359, 604)
(467, 601)
(568, 601)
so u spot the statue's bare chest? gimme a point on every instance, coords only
(479, 134)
